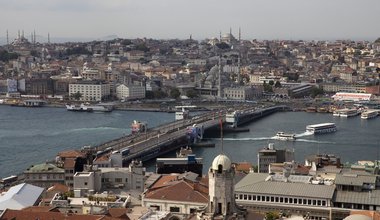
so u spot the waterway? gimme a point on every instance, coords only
(34, 135)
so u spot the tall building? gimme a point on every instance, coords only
(221, 204)
(270, 155)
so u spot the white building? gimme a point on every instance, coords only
(90, 90)
(345, 96)
(94, 178)
(130, 92)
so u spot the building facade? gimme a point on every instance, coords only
(44, 175)
(90, 90)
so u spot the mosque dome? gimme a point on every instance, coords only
(221, 160)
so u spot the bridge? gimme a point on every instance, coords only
(171, 136)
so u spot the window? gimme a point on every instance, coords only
(249, 197)
(240, 196)
(85, 183)
(324, 203)
(174, 209)
(290, 200)
(286, 200)
(245, 197)
(118, 180)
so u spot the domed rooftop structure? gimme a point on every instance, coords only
(221, 160)
(357, 217)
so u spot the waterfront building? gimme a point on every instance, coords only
(270, 155)
(44, 175)
(292, 195)
(239, 93)
(345, 96)
(130, 92)
(90, 90)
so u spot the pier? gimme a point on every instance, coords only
(171, 136)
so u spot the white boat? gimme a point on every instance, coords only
(369, 114)
(100, 108)
(78, 108)
(284, 136)
(182, 115)
(321, 128)
(88, 108)
(348, 113)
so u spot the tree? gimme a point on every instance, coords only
(267, 88)
(277, 84)
(77, 95)
(192, 94)
(174, 93)
(142, 47)
(272, 216)
(316, 91)
(223, 45)
(5, 55)
(271, 82)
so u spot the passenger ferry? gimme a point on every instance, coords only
(369, 114)
(345, 113)
(88, 108)
(349, 113)
(321, 128)
(284, 136)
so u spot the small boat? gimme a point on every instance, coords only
(284, 136)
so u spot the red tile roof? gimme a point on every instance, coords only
(71, 154)
(69, 163)
(169, 188)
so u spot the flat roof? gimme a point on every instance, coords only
(255, 183)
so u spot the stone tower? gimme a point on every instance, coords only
(221, 187)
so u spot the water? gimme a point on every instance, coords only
(34, 135)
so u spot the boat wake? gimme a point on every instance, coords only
(270, 138)
(306, 133)
(242, 139)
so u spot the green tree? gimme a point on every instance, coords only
(271, 82)
(5, 55)
(77, 95)
(316, 91)
(223, 45)
(272, 216)
(277, 84)
(192, 94)
(159, 94)
(174, 93)
(142, 47)
(267, 88)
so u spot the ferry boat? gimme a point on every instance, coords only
(348, 113)
(369, 114)
(284, 136)
(88, 108)
(321, 128)
(78, 108)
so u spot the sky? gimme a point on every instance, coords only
(169, 19)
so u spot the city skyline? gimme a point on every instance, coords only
(167, 19)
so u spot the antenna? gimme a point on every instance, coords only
(221, 131)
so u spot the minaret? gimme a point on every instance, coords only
(48, 38)
(220, 78)
(18, 36)
(238, 73)
(22, 34)
(7, 38)
(34, 38)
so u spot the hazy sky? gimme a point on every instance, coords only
(260, 19)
